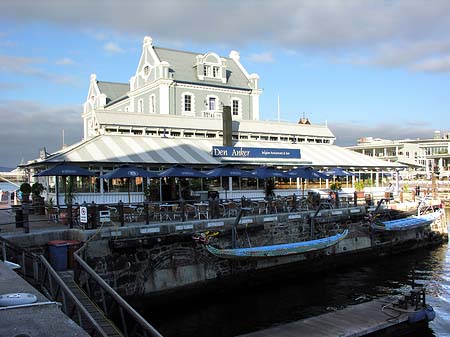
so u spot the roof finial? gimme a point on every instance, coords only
(147, 41)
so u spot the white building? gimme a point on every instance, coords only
(172, 111)
(422, 156)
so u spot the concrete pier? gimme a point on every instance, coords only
(43, 318)
(366, 319)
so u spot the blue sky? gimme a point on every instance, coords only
(367, 68)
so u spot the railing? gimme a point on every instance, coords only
(36, 269)
(215, 114)
(128, 321)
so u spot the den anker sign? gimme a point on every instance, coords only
(254, 152)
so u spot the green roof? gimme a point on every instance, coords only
(113, 90)
(182, 67)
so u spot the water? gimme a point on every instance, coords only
(4, 186)
(242, 311)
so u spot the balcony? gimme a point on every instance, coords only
(212, 114)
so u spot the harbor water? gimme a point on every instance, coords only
(245, 310)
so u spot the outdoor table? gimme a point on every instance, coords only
(131, 215)
(166, 210)
(201, 208)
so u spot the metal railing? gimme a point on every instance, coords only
(36, 269)
(127, 320)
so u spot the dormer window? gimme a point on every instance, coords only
(211, 67)
(216, 71)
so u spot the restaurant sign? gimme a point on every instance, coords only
(254, 152)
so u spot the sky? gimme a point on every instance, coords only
(365, 68)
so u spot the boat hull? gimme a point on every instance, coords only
(277, 250)
(408, 223)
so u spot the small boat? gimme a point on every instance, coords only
(407, 223)
(278, 250)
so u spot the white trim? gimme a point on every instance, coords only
(183, 111)
(140, 107)
(217, 102)
(152, 104)
(239, 112)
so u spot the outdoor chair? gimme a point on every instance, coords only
(202, 211)
(232, 209)
(176, 212)
(262, 207)
(189, 211)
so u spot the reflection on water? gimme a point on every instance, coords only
(285, 301)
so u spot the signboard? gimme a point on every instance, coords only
(83, 214)
(254, 152)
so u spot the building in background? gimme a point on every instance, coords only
(422, 156)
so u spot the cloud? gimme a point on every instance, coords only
(65, 61)
(10, 86)
(347, 134)
(402, 33)
(112, 47)
(25, 141)
(29, 66)
(265, 57)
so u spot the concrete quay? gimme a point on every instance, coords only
(365, 319)
(41, 319)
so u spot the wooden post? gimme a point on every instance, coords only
(147, 217)
(121, 217)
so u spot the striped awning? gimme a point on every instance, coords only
(118, 149)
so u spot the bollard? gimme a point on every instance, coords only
(147, 216)
(26, 212)
(121, 217)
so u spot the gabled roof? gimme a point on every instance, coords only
(182, 67)
(113, 90)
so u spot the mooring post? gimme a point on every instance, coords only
(121, 218)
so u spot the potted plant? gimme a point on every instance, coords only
(25, 188)
(359, 188)
(38, 201)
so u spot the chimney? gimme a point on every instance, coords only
(227, 126)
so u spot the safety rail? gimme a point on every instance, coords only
(128, 321)
(38, 271)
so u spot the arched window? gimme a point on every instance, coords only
(141, 105)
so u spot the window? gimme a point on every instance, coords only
(206, 70)
(235, 107)
(146, 70)
(141, 105)
(152, 104)
(212, 103)
(215, 71)
(187, 103)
